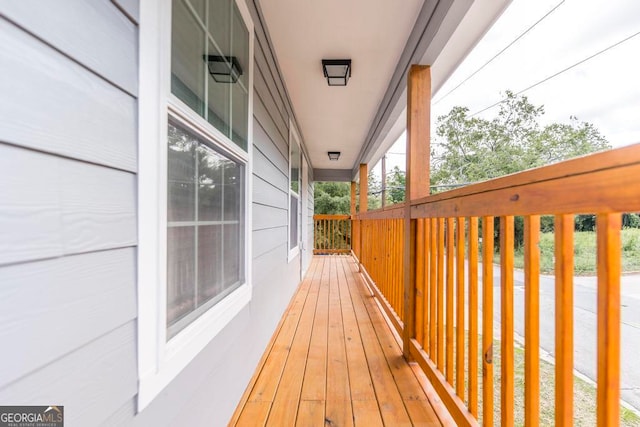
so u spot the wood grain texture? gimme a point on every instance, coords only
(450, 300)
(98, 207)
(473, 315)
(611, 190)
(460, 327)
(30, 206)
(53, 206)
(421, 266)
(52, 104)
(78, 28)
(94, 380)
(564, 225)
(440, 296)
(433, 279)
(368, 381)
(610, 159)
(418, 131)
(532, 320)
(506, 322)
(40, 297)
(363, 188)
(609, 269)
(487, 320)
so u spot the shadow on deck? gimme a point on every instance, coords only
(335, 361)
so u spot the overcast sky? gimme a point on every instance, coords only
(604, 90)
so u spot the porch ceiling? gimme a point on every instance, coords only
(382, 38)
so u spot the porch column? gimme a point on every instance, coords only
(364, 189)
(355, 224)
(417, 185)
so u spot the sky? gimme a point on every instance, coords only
(604, 90)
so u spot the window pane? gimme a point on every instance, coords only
(293, 222)
(234, 255)
(180, 272)
(210, 189)
(181, 171)
(209, 262)
(187, 57)
(219, 100)
(295, 166)
(233, 190)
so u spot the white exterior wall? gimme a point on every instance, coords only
(68, 215)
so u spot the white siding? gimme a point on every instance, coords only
(68, 152)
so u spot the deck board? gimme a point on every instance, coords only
(334, 360)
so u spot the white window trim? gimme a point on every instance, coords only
(159, 361)
(295, 251)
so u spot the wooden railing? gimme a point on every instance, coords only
(332, 234)
(438, 308)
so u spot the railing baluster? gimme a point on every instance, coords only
(532, 320)
(506, 313)
(563, 230)
(450, 243)
(473, 316)
(440, 353)
(433, 278)
(460, 350)
(608, 387)
(487, 320)
(427, 281)
(419, 316)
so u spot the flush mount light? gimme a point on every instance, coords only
(333, 155)
(337, 71)
(223, 69)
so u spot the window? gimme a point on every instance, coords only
(294, 194)
(205, 227)
(195, 154)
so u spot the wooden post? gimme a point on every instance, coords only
(384, 181)
(417, 184)
(364, 188)
(355, 224)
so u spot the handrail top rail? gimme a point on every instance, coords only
(331, 216)
(615, 158)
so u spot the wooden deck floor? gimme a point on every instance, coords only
(334, 361)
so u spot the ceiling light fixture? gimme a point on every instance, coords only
(333, 155)
(336, 71)
(223, 69)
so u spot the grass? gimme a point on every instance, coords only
(584, 404)
(585, 252)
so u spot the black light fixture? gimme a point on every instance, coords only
(333, 155)
(223, 69)
(337, 71)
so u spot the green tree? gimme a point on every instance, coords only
(332, 198)
(470, 149)
(396, 181)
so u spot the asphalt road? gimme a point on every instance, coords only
(585, 325)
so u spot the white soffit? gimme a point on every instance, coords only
(454, 41)
(372, 33)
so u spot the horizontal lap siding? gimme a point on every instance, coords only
(68, 147)
(68, 153)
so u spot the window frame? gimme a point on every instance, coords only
(159, 360)
(295, 251)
